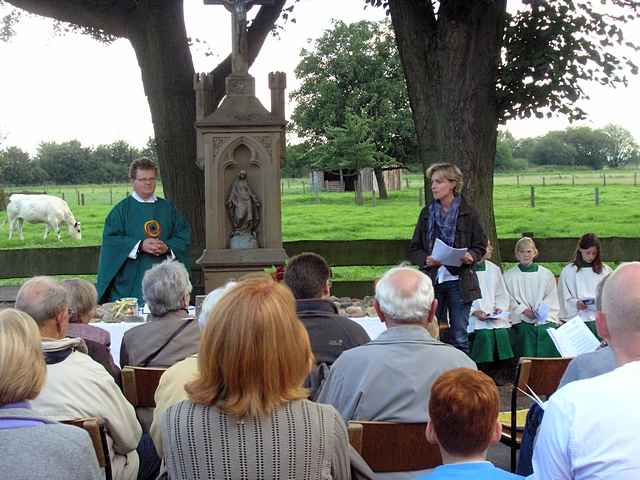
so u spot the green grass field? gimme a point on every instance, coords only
(561, 211)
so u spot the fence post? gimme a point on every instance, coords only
(573, 180)
(63, 196)
(406, 180)
(518, 180)
(604, 179)
(111, 196)
(420, 197)
(304, 188)
(635, 179)
(544, 181)
(77, 196)
(82, 198)
(533, 196)
(597, 196)
(373, 198)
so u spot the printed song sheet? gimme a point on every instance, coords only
(447, 255)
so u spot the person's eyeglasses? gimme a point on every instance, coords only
(145, 180)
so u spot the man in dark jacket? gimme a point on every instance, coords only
(307, 276)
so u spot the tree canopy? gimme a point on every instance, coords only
(352, 82)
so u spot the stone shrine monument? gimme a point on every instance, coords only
(240, 147)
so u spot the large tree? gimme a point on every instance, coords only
(158, 36)
(354, 69)
(470, 65)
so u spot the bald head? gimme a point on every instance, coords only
(404, 295)
(621, 301)
(42, 298)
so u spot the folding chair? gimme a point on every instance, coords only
(393, 447)
(542, 375)
(140, 385)
(98, 433)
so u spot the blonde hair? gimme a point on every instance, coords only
(449, 171)
(22, 367)
(523, 243)
(82, 296)
(254, 352)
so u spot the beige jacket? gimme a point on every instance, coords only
(171, 391)
(80, 387)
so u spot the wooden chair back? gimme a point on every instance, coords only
(140, 384)
(542, 375)
(393, 447)
(97, 431)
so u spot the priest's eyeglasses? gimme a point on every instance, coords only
(146, 180)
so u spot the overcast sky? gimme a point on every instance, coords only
(58, 88)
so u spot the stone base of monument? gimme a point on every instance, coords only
(240, 241)
(220, 266)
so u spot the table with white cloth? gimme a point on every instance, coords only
(372, 325)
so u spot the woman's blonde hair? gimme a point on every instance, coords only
(525, 242)
(449, 171)
(83, 298)
(22, 367)
(254, 352)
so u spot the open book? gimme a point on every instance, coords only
(573, 338)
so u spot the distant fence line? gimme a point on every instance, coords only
(23, 263)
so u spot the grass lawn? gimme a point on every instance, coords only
(561, 211)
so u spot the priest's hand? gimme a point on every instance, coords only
(481, 315)
(153, 246)
(527, 312)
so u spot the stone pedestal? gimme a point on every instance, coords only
(241, 134)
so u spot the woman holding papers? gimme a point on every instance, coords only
(449, 223)
(579, 280)
(489, 319)
(534, 303)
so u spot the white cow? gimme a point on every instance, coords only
(47, 209)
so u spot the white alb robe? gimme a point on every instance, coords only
(577, 285)
(530, 290)
(494, 295)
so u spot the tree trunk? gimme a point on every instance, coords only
(382, 186)
(161, 47)
(450, 65)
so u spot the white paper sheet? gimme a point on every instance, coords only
(542, 312)
(447, 255)
(573, 338)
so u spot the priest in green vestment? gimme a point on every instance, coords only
(139, 232)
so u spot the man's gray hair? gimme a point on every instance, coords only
(164, 286)
(42, 298)
(211, 300)
(405, 295)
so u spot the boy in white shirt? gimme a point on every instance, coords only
(534, 303)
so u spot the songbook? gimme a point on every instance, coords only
(447, 255)
(574, 338)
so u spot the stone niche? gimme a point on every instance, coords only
(241, 135)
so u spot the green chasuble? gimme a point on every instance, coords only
(120, 276)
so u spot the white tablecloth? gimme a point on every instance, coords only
(372, 325)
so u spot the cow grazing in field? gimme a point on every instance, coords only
(47, 209)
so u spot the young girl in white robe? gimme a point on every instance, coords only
(579, 281)
(490, 335)
(534, 303)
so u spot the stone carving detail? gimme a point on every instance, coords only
(266, 141)
(216, 145)
(240, 86)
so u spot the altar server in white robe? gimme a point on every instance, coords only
(579, 280)
(534, 303)
(490, 335)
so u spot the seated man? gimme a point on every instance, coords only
(171, 387)
(390, 378)
(76, 386)
(170, 334)
(463, 412)
(307, 275)
(590, 427)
